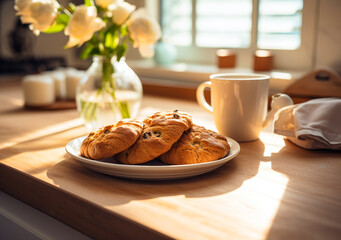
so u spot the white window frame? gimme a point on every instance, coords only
(302, 58)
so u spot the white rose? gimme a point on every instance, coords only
(22, 6)
(121, 11)
(106, 3)
(82, 25)
(40, 14)
(145, 31)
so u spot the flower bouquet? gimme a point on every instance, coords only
(105, 28)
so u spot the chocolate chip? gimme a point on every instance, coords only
(157, 134)
(177, 116)
(176, 110)
(107, 131)
(147, 135)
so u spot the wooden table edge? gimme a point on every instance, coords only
(81, 214)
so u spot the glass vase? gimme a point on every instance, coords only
(109, 92)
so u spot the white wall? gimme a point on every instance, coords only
(328, 48)
(45, 45)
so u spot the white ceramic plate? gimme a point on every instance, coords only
(153, 170)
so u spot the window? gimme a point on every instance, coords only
(199, 27)
(216, 23)
(279, 24)
(228, 24)
(176, 21)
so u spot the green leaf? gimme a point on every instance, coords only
(121, 51)
(63, 19)
(115, 41)
(55, 28)
(88, 3)
(111, 39)
(108, 40)
(86, 51)
(61, 22)
(89, 51)
(124, 30)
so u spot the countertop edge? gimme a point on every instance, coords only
(82, 215)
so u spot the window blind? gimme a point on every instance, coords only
(279, 24)
(176, 21)
(228, 23)
(223, 23)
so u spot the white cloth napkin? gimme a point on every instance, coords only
(315, 124)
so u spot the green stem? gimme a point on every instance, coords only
(109, 85)
(89, 109)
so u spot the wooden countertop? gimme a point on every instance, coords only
(271, 190)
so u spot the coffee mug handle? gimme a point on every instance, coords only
(201, 98)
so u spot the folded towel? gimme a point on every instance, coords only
(315, 124)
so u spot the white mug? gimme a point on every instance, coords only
(239, 104)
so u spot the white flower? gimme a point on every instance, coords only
(145, 31)
(40, 14)
(82, 25)
(22, 6)
(121, 11)
(106, 3)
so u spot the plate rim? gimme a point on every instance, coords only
(150, 172)
(234, 144)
